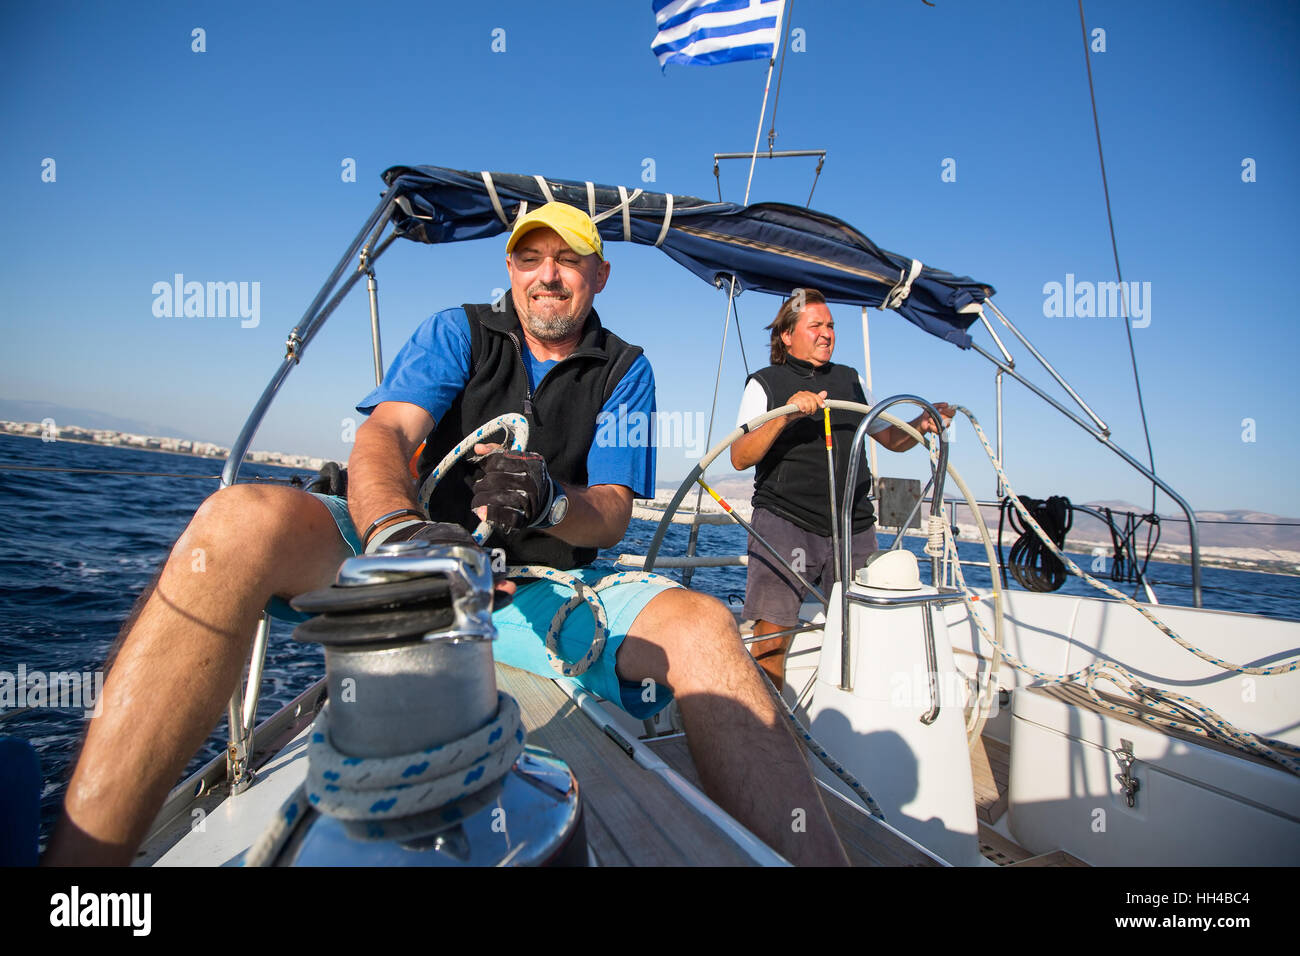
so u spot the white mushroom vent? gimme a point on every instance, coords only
(890, 571)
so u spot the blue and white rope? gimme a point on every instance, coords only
(368, 788)
(517, 428)
(515, 425)
(1173, 708)
(584, 593)
(383, 788)
(820, 752)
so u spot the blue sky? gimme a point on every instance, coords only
(225, 166)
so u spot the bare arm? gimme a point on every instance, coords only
(748, 450)
(598, 515)
(378, 479)
(894, 439)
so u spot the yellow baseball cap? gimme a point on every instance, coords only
(570, 223)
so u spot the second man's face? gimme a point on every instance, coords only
(813, 337)
(552, 286)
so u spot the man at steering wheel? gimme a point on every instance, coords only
(541, 352)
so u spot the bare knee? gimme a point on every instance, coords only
(284, 538)
(682, 635)
(244, 511)
(709, 619)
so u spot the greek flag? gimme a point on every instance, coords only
(705, 32)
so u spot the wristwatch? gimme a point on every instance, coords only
(558, 508)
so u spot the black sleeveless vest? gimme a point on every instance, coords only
(561, 417)
(790, 480)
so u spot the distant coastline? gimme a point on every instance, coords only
(130, 441)
(1274, 560)
(1267, 560)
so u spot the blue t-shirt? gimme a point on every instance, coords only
(433, 368)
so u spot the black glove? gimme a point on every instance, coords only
(515, 488)
(441, 532)
(433, 532)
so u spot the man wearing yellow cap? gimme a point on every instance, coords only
(541, 352)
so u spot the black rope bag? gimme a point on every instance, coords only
(1034, 566)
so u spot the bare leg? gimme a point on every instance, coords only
(182, 657)
(748, 760)
(771, 654)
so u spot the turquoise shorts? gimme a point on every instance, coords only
(522, 624)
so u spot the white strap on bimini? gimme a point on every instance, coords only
(591, 199)
(668, 219)
(627, 213)
(545, 187)
(404, 204)
(496, 201)
(898, 294)
(976, 307)
(492, 194)
(625, 207)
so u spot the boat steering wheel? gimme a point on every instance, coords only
(516, 428)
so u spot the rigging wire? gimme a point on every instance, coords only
(726, 319)
(1110, 219)
(817, 174)
(785, 51)
(739, 338)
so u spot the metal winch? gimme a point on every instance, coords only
(417, 760)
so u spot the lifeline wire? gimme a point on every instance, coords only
(1171, 706)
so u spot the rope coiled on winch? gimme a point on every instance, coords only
(378, 789)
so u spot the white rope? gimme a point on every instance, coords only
(937, 528)
(903, 288)
(514, 424)
(625, 207)
(517, 428)
(583, 594)
(377, 788)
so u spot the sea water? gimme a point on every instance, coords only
(79, 548)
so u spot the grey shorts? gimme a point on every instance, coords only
(771, 592)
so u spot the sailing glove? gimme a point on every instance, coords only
(442, 532)
(433, 532)
(516, 489)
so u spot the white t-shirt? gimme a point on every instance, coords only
(754, 403)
